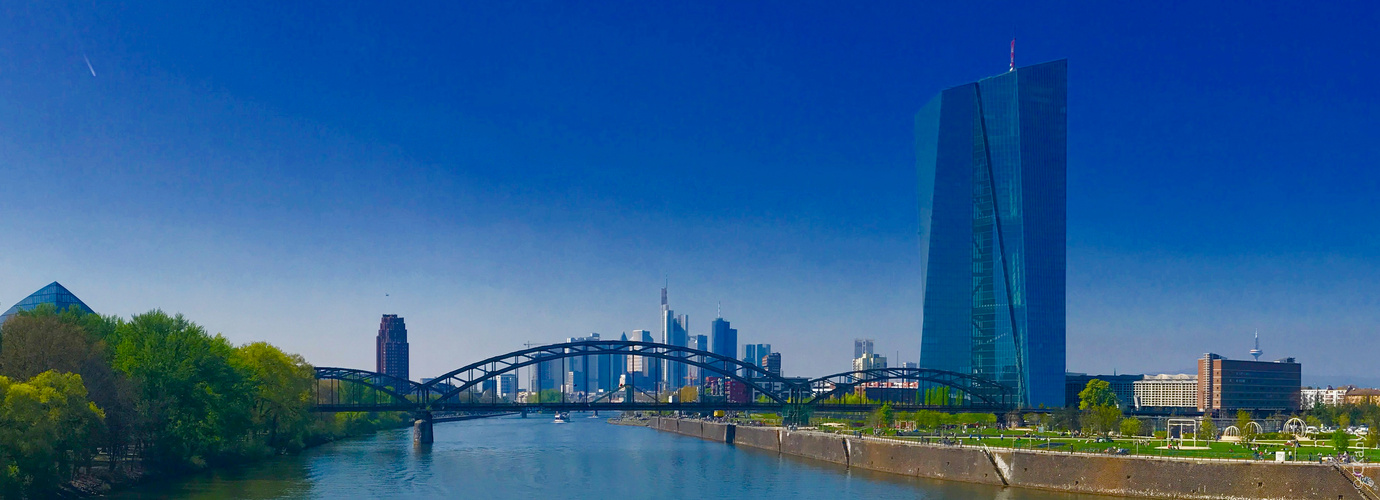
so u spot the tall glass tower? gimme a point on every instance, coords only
(991, 157)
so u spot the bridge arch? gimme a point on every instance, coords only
(395, 388)
(984, 390)
(462, 379)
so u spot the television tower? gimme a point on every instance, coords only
(1257, 352)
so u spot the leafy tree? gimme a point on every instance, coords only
(195, 403)
(1341, 441)
(1243, 423)
(280, 413)
(1373, 435)
(1313, 421)
(72, 341)
(1208, 430)
(46, 429)
(1096, 393)
(883, 417)
(1130, 427)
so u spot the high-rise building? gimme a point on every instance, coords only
(753, 354)
(1233, 384)
(772, 363)
(644, 371)
(54, 294)
(862, 347)
(869, 362)
(508, 386)
(724, 342)
(697, 374)
(674, 331)
(590, 374)
(991, 161)
(1167, 391)
(392, 355)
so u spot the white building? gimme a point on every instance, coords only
(1167, 391)
(1309, 397)
(868, 362)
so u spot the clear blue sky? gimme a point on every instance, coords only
(515, 171)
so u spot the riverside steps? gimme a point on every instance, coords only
(1133, 476)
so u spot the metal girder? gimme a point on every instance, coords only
(977, 387)
(462, 379)
(395, 387)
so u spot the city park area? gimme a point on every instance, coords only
(1099, 426)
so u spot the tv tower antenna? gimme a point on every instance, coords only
(1013, 55)
(1257, 352)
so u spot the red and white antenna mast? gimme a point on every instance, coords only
(1013, 55)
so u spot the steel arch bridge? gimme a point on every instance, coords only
(973, 390)
(344, 389)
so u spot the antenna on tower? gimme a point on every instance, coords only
(1013, 55)
(721, 310)
(1257, 352)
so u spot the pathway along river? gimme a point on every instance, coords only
(534, 458)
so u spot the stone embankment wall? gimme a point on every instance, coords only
(1081, 473)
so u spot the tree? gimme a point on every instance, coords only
(1313, 421)
(1341, 441)
(883, 417)
(1100, 408)
(195, 403)
(46, 429)
(1243, 423)
(1130, 427)
(1096, 393)
(280, 413)
(1208, 430)
(1373, 435)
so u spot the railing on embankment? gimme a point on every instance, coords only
(1140, 476)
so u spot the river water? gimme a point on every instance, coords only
(534, 458)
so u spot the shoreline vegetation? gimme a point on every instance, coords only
(91, 403)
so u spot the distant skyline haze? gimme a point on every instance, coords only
(503, 173)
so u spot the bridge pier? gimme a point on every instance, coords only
(421, 429)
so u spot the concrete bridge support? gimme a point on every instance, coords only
(421, 429)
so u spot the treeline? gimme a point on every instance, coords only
(155, 393)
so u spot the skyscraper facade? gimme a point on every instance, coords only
(675, 330)
(771, 362)
(699, 343)
(991, 160)
(392, 355)
(643, 370)
(862, 347)
(724, 342)
(754, 353)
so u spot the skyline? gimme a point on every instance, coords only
(529, 173)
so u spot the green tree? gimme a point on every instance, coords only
(883, 417)
(1313, 421)
(280, 414)
(195, 404)
(1096, 393)
(1130, 427)
(1208, 430)
(1243, 423)
(46, 429)
(1341, 441)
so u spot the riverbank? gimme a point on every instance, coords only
(1053, 471)
(101, 480)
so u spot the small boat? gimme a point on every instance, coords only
(562, 417)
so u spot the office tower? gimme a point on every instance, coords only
(868, 362)
(698, 343)
(772, 363)
(1227, 385)
(724, 342)
(644, 370)
(588, 373)
(991, 162)
(861, 347)
(508, 386)
(753, 353)
(674, 331)
(391, 354)
(620, 364)
(54, 294)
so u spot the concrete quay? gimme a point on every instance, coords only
(1149, 477)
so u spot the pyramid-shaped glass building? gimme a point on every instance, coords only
(54, 294)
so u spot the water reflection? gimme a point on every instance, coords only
(533, 458)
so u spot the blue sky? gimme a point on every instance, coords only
(510, 172)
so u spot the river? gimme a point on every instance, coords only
(533, 458)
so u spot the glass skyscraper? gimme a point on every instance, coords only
(991, 159)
